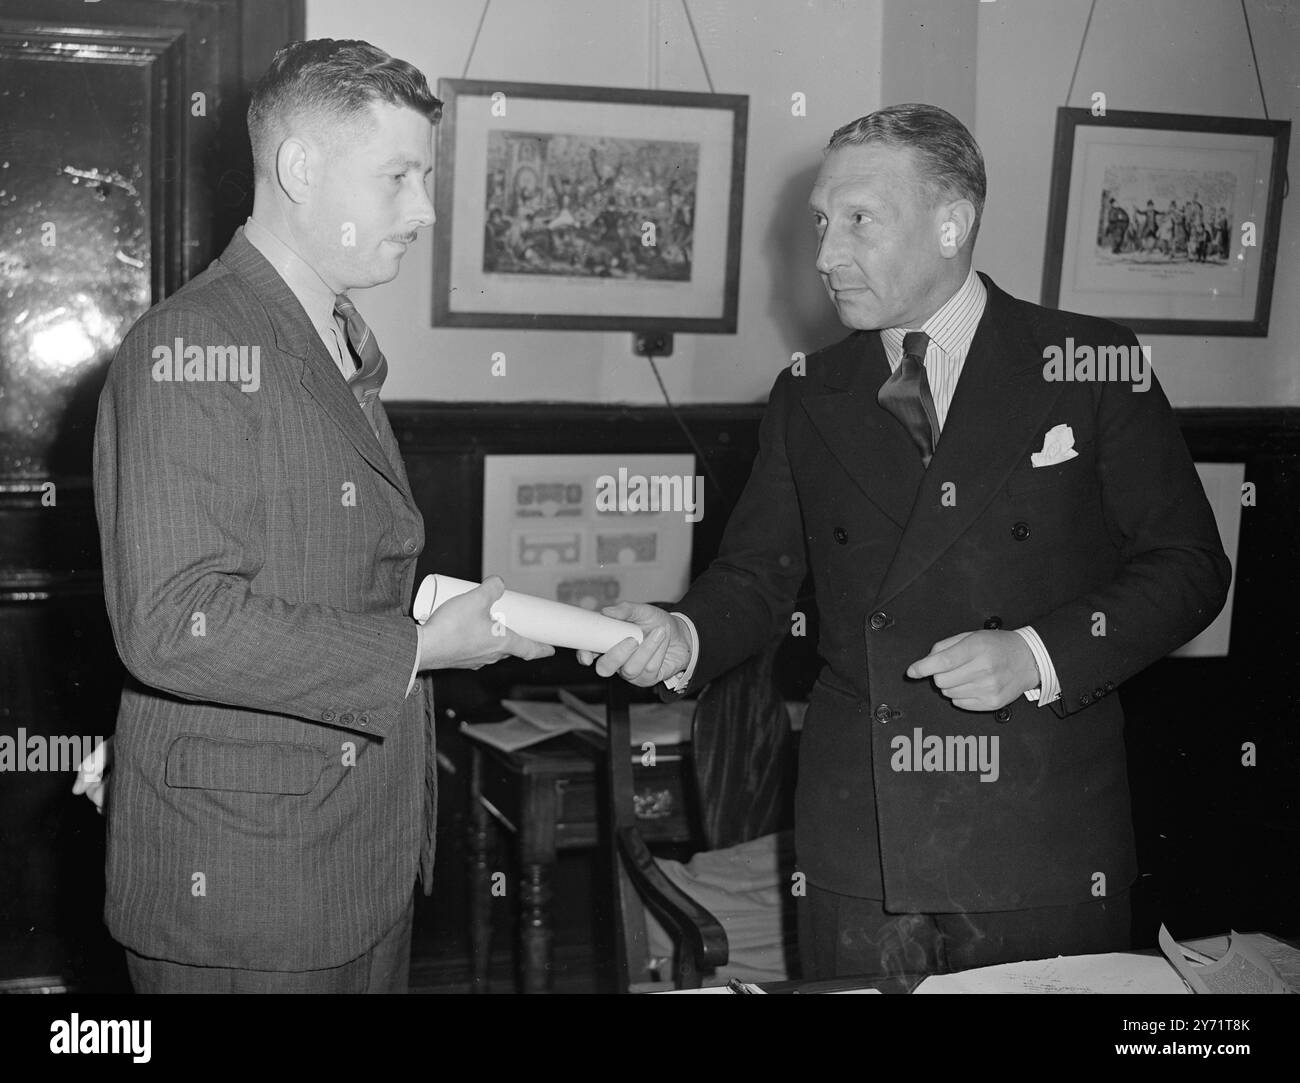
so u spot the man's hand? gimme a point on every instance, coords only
(980, 671)
(664, 650)
(462, 633)
(92, 774)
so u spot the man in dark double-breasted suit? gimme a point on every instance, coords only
(1002, 524)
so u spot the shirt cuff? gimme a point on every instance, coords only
(1049, 690)
(678, 681)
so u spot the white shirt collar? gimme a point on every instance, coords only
(316, 298)
(953, 326)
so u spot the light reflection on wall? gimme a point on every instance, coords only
(75, 251)
(62, 340)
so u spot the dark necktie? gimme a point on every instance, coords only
(370, 374)
(906, 395)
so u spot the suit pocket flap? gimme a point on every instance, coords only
(210, 763)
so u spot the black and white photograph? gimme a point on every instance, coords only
(524, 501)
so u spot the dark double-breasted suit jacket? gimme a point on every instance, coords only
(1112, 555)
(273, 794)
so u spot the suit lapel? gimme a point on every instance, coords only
(295, 336)
(996, 414)
(868, 441)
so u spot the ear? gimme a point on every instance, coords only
(291, 169)
(955, 222)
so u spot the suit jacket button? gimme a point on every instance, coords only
(993, 623)
(328, 715)
(883, 713)
(1020, 531)
(347, 718)
(1084, 699)
(1108, 685)
(878, 620)
(1097, 693)
(409, 546)
(840, 534)
(1002, 714)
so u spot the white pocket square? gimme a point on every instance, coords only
(1058, 447)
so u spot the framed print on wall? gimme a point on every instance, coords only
(1165, 223)
(587, 208)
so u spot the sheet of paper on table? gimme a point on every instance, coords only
(1255, 962)
(750, 987)
(659, 723)
(663, 724)
(1281, 956)
(1113, 972)
(1240, 967)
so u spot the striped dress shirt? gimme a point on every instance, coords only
(951, 331)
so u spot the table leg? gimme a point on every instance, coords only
(480, 903)
(536, 933)
(537, 860)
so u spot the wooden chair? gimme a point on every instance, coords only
(743, 765)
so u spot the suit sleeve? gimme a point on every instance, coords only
(181, 512)
(1174, 575)
(747, 593)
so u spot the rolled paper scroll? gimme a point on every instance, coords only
(538, 619)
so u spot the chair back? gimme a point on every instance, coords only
(744, 753)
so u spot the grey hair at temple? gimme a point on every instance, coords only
(947, 157)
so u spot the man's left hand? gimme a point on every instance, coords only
(980, 671)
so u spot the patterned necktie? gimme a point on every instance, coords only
(369, 377)
(906, 395)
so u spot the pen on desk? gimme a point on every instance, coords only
(738, 986)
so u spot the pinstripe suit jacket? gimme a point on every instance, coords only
(274, 792)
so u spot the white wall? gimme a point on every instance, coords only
(828, 49)
(1163, 56)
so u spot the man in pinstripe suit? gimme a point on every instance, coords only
(274, 794)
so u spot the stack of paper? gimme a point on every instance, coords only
(660, 724)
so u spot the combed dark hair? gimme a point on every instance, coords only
(333, 79)
(948, 157)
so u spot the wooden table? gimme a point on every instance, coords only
(547, 797)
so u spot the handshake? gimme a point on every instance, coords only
(664, 650)
(480, 624)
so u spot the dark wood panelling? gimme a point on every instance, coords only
(1217, 840)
